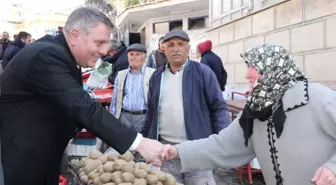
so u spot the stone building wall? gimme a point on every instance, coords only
(306, 27)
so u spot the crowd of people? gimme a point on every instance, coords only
(165, 106)
(8, 48)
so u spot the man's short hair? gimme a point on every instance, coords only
(86, 18)
(23, 35)
(114, 44)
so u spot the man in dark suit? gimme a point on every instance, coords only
(43, 103)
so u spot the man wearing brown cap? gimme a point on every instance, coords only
(184, 103)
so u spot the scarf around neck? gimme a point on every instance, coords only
(278, 74)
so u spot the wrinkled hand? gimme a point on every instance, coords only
(150, 150)
(324, 176)
(169, 152)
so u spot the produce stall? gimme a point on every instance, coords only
(115, 169)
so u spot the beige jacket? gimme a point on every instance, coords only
(121, 84)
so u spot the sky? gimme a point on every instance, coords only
(46, 5)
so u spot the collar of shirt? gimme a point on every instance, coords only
(182, 67)
(142, 71)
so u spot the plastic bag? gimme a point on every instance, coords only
(99, 76)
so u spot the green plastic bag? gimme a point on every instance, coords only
(99, 76)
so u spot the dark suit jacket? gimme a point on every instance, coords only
(42, 105)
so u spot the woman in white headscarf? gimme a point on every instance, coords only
(288, 123)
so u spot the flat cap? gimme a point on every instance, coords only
(176, 34)
(137, 47)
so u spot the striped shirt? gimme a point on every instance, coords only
(134, 97)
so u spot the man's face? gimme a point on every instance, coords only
(5, 35)
(136, 59)
(27, 40)
(87, 48)
(161, 46)
(112, 52)
(177, 50)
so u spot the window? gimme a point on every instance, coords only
(216, 8)
(236, 4)
(161, 28)
(226, 5)
(175, 25)
(196, 23)
(223, 11)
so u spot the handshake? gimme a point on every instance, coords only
(155, 152)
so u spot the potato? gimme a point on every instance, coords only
(127, 183)
(131, 162)
(103, 158)
(144, 166)
(170, 180)
(128, 156)
(108, 166)
(118, 181)
(106, 177)
(87, 161)
(92, 165)
(84, 179)
(140, 182)
(118, 164)
(96, 181)
(91, 174)
(96, 175)
(115, 175)
(110, 183)
(140, 173)
(152, 179)
(95, 154)
(101, 171)
(159, 183)
(129, 167)
(128, 177)
(90, 182)
(112, 157)
(82, 173)
(81, 170)
(161, 175)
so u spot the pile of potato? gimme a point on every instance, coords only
(98, 169)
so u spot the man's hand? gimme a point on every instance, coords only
(150, 150)
(323, 176)
(169, 152)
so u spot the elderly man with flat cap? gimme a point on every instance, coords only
(129, 102)
(185, 102)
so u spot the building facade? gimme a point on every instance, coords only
(147, 22)
(306, 27)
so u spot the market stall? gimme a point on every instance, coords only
(114, 169)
